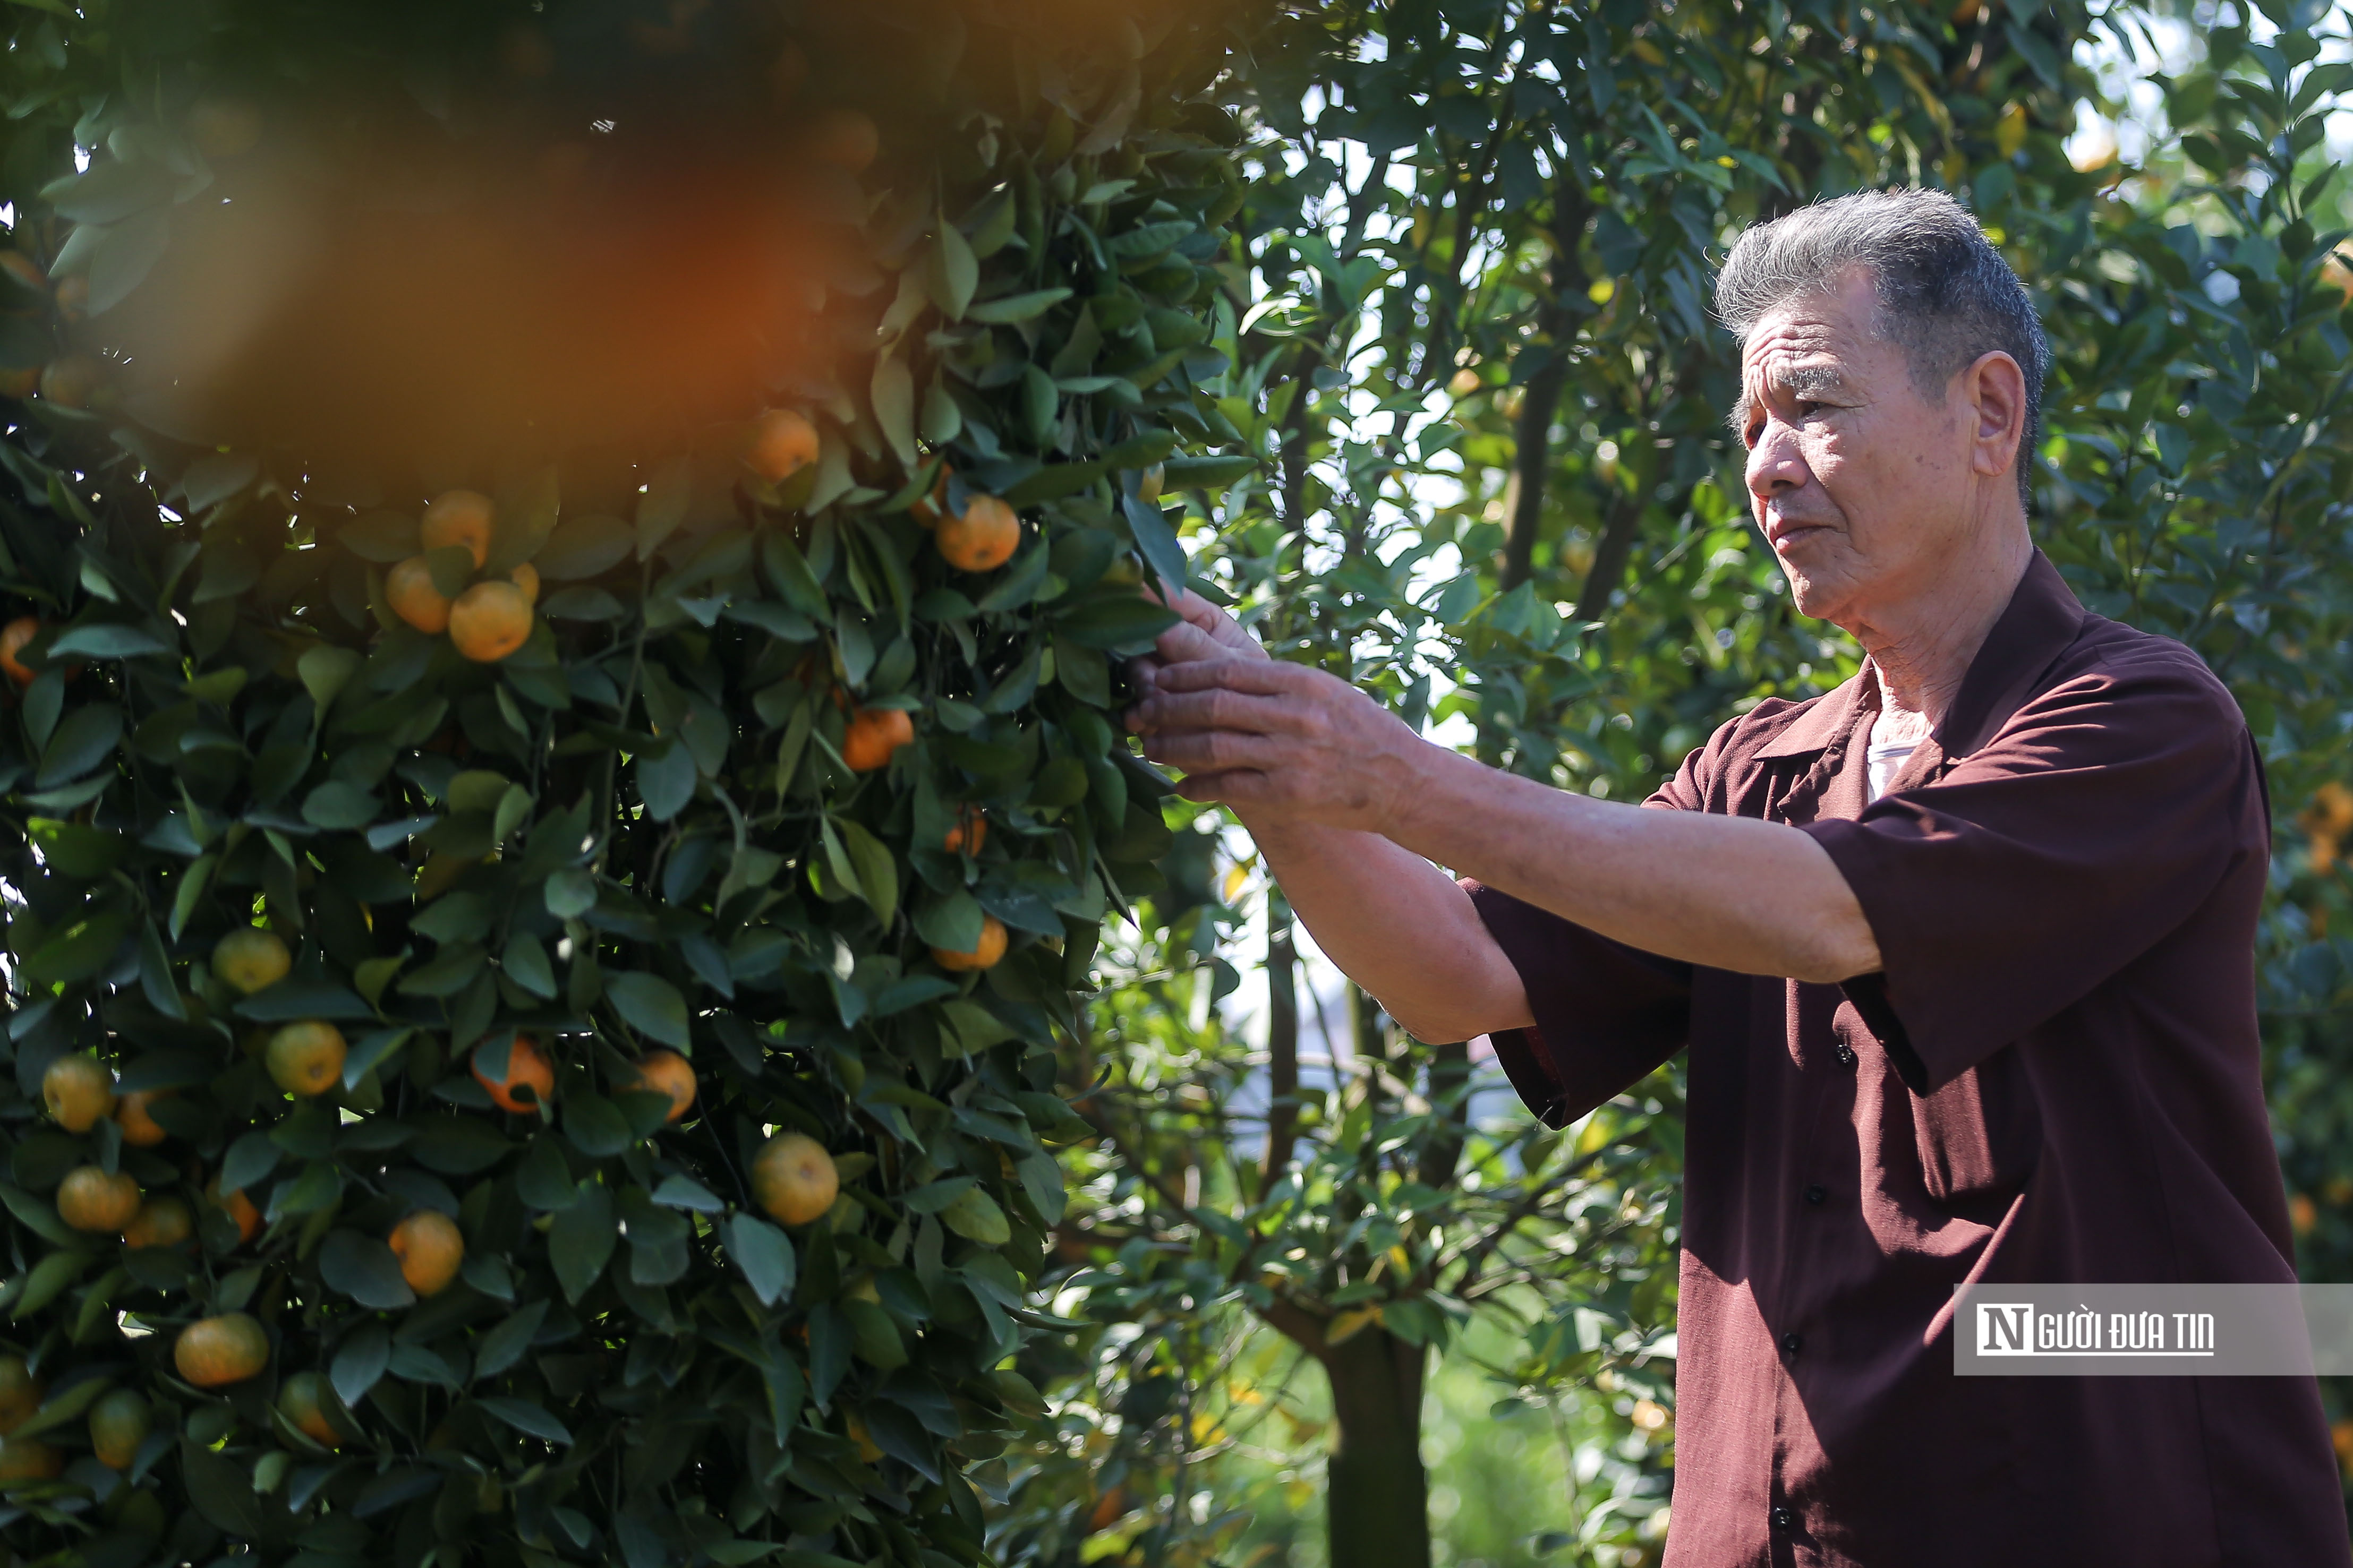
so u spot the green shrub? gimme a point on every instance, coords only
(635, 834)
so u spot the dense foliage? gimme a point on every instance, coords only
(390, 945)
(1467, 305)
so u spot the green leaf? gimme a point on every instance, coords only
(87, 737)
(452, 567)
(338, 806)
(585, 547)
(580, 1239)
(289, 1000)
(79, 950)
(765, 1253)
(1017, 308)
(108, 640)
(526, 1418)
(1157, 542)
(892, 392)
(933, 1196)
(663, 506)
(156, 975)
(666, 778)
(325, 671)
(877, 870)
(685, 1192)
(976, 1027)
(121, 262)
(459, 1146)
(1150, 238)
(1124, 624)
(504, 1345)
(374, 974)
(953, 921)
(1206, 473)
(571, 893)
(975, 1216)
(39, 1216)
(595, 1126)
(454, 917)
(364, 1269)
(48, 1280)
(956, 272)
(524, 518)
(525, 963)
(250, 1158)
(107, 191)
(382, 537)
(451, 970)
(1141, 451)
(788, 569)
(650, 1004)
(74, 849)
(582, 604)
(370, 1050)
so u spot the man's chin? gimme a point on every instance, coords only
(1816, 594)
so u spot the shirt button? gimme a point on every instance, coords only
(1793, 1342)
(1781, 1517)
(1816, 1193)
(1846, 1055)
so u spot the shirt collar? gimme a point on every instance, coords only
(2042, 618)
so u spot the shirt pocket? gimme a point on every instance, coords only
(1980, 1135)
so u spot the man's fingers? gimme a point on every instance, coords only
(1197, 612)
(1212, 751)
(1212, 709)
(1185, 643)
(1259, 677)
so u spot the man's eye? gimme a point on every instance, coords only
(1807, 408)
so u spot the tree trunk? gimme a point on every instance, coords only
(1540, 399)
(1282, 1040)
(1532, 458)
(1376, 1500)
(1610, 556)
(1449, 1074)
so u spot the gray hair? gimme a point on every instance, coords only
(1946, 295)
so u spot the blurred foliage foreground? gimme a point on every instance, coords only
(535, 944)
(1465, 306)
(1450, 302)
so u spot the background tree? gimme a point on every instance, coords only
(1466, 302)
(532, 1019)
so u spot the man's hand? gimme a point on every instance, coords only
(1281, 740)
(1205, 632)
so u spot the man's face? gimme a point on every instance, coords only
(1862, 486)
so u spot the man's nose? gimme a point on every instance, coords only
(1776, 464)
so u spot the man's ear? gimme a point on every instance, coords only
(1993, 389)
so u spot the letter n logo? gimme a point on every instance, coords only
(2005, 1328)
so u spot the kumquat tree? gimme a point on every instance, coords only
(565, 565)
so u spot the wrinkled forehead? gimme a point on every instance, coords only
(1812, 343)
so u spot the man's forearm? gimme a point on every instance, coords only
(1726, 891)
(1398, 926)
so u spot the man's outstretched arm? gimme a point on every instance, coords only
(1285, 745)
(1393, 923)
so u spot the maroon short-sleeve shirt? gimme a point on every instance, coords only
(2054, 1077)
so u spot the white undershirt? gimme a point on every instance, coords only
(1894, 736)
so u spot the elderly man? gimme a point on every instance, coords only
(1962, 951)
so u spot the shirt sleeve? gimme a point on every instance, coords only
(2095, 821)
(1606, 1014)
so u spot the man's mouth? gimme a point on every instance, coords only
(1783, 530)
